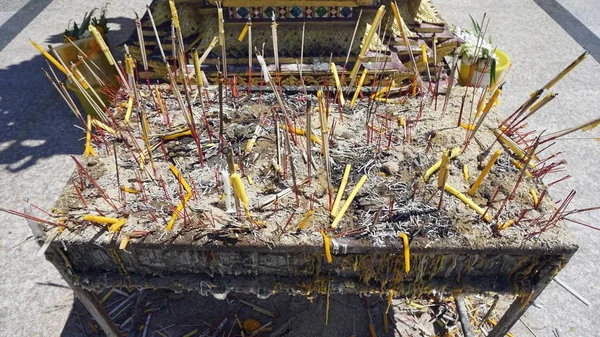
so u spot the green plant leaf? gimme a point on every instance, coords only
(476, 27)
(492, 72)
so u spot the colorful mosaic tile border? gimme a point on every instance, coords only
(290, 12)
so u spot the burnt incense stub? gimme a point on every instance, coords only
(277, 246)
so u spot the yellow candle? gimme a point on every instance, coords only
(359, 87)
(469, 127)
(424, 53)
(340, 192)
(186, 198)
(355, 190)
(48, 56)
(506, 224)
(124, 242)
(466, 172)
(100, 219)
(240, 191)
(443, 176)
(327, 244)
(484, 173)
(117, 226)
(177, 135)
(534, 197)
(406, 252)
(304, 221)
(337, 83)
(436, 166)
(468, 202)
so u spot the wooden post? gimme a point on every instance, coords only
(91, 302)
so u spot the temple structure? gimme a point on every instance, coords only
(308, 32)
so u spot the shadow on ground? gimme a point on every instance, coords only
(35, 123)
(167, 313)
(178, 314)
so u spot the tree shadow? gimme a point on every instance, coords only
(35, 122)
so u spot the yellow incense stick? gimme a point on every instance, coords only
(89, 151)
(338, 85)
(327, 245)
(468, 202)
(400, 22)
(179, 177)
(129, 66)
(359, 86)
(244, 32)
(484, 172)
(159, 100)
(344, 208)
(535, 107)
(102, 44)
(129, 107)
(174, 14)
(338, 197)
(492, 100)
(406, 252)
(48, 56)
(367, 42)
(103, 126)
(511, 145)
(566, 71)
(210, 47)
(466, 172)
(198, 70)
(436, 166)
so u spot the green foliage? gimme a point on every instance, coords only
(77, 32)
